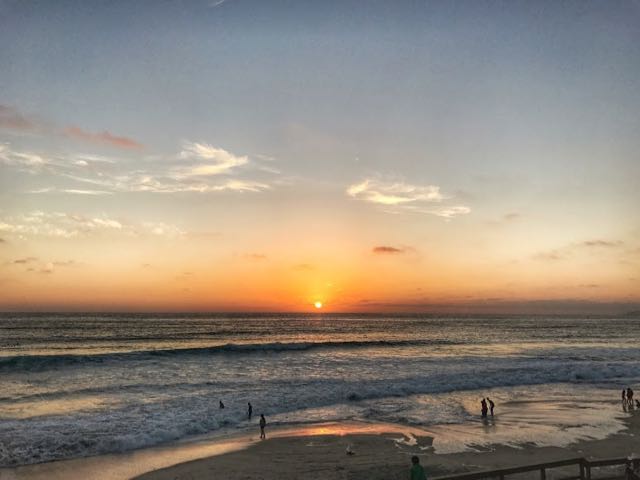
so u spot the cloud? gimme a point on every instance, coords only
(72, 191)
(448, 212)
(601, 243)
(10, 118)
(103, 138)
(210, 160)
(551, 255)
(254, 257)
(567, 251)
(396, 193)
(28, 161)
(24, 260)
(570, 306)
(197, 168)
(66, 225)
(65, 263)
(47, 268)
(387, 250)
(303, 267)
(398, 197)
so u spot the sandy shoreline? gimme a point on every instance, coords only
(382, 451)
(381, 456)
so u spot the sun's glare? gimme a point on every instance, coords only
(318, 304)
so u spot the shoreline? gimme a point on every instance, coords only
(381, 451)
(383, 456)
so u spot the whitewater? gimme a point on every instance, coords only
(80, 385)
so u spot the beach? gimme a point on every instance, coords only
(381, 451)
(322, 455)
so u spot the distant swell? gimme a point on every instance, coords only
(44, 362)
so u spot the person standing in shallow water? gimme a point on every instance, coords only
(491, 405)
(263, 423)
(221, 405)
(249, 410)
(630, 396)
(624, 395)
(417, 472)
(483, 409)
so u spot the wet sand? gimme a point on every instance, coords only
(382, 451)
(382, 456)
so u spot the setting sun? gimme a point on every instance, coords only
(318, 305)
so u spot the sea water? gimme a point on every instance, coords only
(80, 385)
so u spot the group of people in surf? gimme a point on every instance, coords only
(263, 421)
(484, 408)
(627, 398)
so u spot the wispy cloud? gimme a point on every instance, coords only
(396, 193)
(197, 168)
(35, 265)
(12, 119)
(24, 260)
(73, 191)
(66, 225)
(303, 267)
(104, 138)
(254, 257)
(24, 160)
(398, 196)
(209, 160)
(567, 251)
(387, 250)
(601, 243)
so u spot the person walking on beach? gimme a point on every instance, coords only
(483, 405)
(624, 395)
(221, 405)
(491, 405)
(263, 423)
(417, 472)
(249, 410)
(630, 396)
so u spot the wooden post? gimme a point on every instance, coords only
(582, 470)
(543, 474)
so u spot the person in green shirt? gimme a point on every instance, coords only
(417, 472)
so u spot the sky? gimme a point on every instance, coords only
(374, 156)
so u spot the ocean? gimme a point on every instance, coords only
(86, 384)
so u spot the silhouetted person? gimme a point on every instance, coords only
(491, 405)
(624, 395)
(417, 472)
(483, 405)
(630, 396)
(249, 410)
(263, 423)
(221, 405)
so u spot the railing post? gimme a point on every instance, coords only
(501, 476)
(543, 474)
(582, 470)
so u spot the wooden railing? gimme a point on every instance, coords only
(584, 470)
